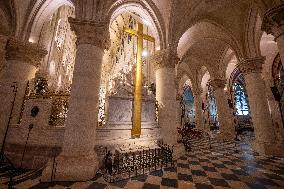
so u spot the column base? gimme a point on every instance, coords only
(71, 168)
(269, 148)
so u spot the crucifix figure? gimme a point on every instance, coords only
(137, 108)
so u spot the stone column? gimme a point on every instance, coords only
(273, 23)
(78, 160)
(227, 129)
(179, 111)
(3, 42)
(264, 131)
(273, 105)
(198, 109)
(22, 60)
(164, 63)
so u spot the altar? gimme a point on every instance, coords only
(116, 133)
(120, 111)
(129, 72)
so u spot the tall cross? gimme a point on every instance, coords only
(137, 108)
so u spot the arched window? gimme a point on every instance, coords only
(278, 73)
(212, 107)
(188, 102)
(240, 99)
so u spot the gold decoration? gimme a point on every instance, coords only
(59, 110)
(137, 109)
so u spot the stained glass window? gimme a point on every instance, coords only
(212, 107)
(188, 102)
(241, 102)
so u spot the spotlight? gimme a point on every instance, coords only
(144, 53)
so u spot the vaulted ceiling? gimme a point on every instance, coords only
(201, 31)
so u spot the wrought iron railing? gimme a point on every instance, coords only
(156, 111)
(121, 166)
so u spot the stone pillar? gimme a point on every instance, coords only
(225, 118)
(78, 160)
(3, 42)
(264, 131)
(198, 109)
(179, 111)
(22, 60)
(273, 23)
(164, 63)
(273, 105)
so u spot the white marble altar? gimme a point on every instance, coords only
(116, 133)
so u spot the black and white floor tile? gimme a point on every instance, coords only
(224, 165)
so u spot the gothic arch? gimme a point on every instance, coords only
(253, 33)
(205, 77)
(215, 30)
(181, 81)
(208, 52)
(264, 5)
(39, 13)
(236, 75)
(232, 72)
(146, 7)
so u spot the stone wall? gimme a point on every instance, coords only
(42, 141)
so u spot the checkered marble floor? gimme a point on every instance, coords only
(224, 165)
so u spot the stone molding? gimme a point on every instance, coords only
(251, 65)
(25, 51)
(218, 84)
(91, 32)
(164, 59)
(273, 21)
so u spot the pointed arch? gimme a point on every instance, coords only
(144, 7)
(40, 12)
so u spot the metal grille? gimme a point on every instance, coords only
(121, 166)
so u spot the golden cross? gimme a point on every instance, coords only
(137, 108)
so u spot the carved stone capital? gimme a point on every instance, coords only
(218, 83)
(90, 32)
(24, 51)
(164, 59)
(273, 21)
(251, 65)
